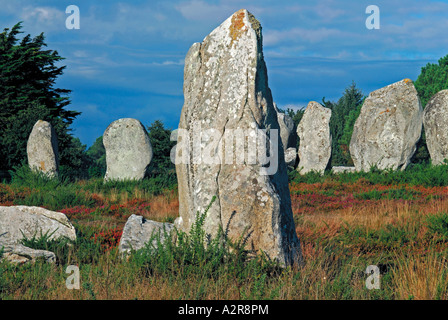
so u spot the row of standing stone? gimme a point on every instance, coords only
(385, 134)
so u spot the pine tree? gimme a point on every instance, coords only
(432, 79)
(97, 154)
(161, 143)
(350, 102)
(296, 117)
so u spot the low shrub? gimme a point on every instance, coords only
(438, 225)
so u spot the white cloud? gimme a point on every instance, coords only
(80, 54)
(179, 62)
(83, 71)
(46, 19)
(273, 37)
(328, 11)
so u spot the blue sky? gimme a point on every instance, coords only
(126, 60)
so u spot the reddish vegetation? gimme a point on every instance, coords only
(7, 194)
(330, 197)
(108, 239)
(321, 208)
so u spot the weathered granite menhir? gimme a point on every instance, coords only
(138, 231)
(226, 88)
(287, 133)
(315, 139)
(42, 149)
(128, 150)
(388, 128)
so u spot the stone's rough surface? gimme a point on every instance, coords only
(21, 221)
(315, 139)
(435, 121)
(291, 157)
(138, 232)
(19, 254)
(226, 88)
(343, 169)
(287, 133)
(388, 128)
(128, 150)
(42, 149)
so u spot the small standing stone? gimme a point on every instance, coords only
(315, 139)
(42, 149)
(287, 133)
(388, 128)
(128, 150)
(291, 157)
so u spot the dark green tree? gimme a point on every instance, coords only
(97, 155)
(344, 141)
(28, 74)
(350, 102)
(296, 116)
(433, 78)
(161, 146)
(80, 163)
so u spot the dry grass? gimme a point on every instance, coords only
(164, 207)
(335, 258)
(420, 277)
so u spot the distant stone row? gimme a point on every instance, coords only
(385, 134)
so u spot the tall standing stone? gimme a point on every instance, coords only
(315, 138)
(435, 121)
(42, 149)
(128, 150)
(388, 128)
(226, 89)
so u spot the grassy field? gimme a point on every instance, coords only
(397, 221)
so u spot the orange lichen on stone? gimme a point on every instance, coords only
(42, 165)
(387, 110)
(236, 28)
(407, 80)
